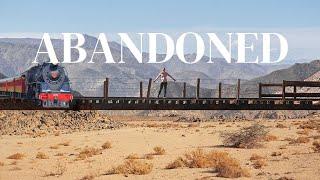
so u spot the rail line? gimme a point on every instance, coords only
(288, 99)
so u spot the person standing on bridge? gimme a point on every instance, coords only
(164, 81)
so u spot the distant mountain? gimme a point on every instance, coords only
(17, 54)
(2, 76)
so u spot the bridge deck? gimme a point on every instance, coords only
(136, 103)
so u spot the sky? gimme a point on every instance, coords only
(297, 19)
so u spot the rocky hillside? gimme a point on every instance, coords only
(2, 76)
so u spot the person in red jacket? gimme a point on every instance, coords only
(163, 75)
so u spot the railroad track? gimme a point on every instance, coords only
(137, 103)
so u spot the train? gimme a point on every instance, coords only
(48, 84)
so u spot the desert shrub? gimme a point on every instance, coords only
(148, 156)
(312, 124)
(88, 177)
(58, 170)
(270, 137)
(316, 146)
(106, 145)
(256, 157)
(259, 163)
(247, 137)
(54, 147)
(158, 150)
(88, 152)
(133, 156)
(66, 143)
(276, 153)
(230, 168)
(178, 163)
(280, 126)
(300, 140)
(132, 166)
(16, 156)
(304, 132)
(221, 162)
(41, 155)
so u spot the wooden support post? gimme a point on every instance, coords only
(106, 88)
(14, 88)
(198, 89)
(141, 89)
(149, 88)
(294, 92)
(184, 91)
(220, 87)
(260, 90)
(238, 90)
(283, 90)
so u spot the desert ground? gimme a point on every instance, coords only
(150, 145)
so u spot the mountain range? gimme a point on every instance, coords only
(17, 54)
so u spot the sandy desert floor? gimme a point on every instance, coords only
(56, 156)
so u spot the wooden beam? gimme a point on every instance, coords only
(141, 89)
(260, 90)
(149, 88)
(238, 89)
(283, 90)
(302, 83)
(184, 91)
(198, 89)
(106, 88)
(219, 89)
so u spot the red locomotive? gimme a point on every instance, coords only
(47, 83)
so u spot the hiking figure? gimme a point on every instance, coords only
(164, 78)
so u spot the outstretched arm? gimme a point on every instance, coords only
(171, 77)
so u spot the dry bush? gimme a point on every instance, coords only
(57, 133)
(132, 166)
(106, 145)
(88, 152)
(59, 154)
(256, 157)
(67, 143)
(16, 156)
(148, 156)
(222, 163)
(230, 168)
(247, 137)
(54, 147)
(270, 137)
(316, 146)
(58, 170)
(178, 163)
(276, 154)
(133, 156)
(280, 126)
(88, 177)
(259, 163)
(41, 155)
(304, 132)
(312, 124)
(158, 150)
(300, 140)
(15, 169)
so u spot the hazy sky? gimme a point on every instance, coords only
(299, 20)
